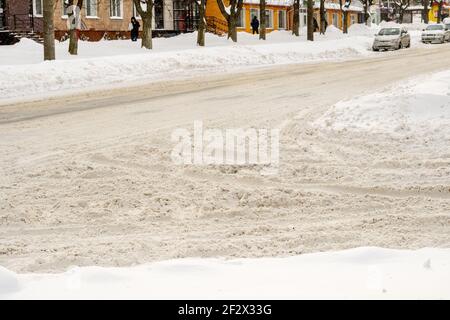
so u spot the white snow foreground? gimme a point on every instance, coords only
(115, 63)
(372, 273)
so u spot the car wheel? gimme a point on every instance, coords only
(400, 45)
(409, 44)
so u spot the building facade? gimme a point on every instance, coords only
(333, 14)
(276, 14)
(280, 14)
(108, 19)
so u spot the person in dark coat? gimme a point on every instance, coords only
(134, 29)
(315, 25)
(255, 25)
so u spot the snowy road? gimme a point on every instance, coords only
(88, 180)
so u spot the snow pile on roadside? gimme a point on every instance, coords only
(419, 107)
(371, 273)
(417, 26)
(363, 30)
(49, 77)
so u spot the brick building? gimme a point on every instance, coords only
(101, 18)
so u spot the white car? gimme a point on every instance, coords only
(391, 39)
(436, 33)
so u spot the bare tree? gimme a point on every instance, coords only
(323, 20)
(310, 20)
(262, 19)
(74, 20)
(439, 16)
(296, 22)
(231, 15)
(400, 7)
(49, 29)
(426, 9)
(145, 11)
(366, 5)
(344, 9)
(201, 22)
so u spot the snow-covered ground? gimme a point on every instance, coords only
(97, 187)
(417, 108)
(411, 117)
(361, 273)
(122, 62)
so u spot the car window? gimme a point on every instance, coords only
(447, 26)
(435, 27)
(389, 32)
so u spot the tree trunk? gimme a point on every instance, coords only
(296, 20)
(425, 11)
(400, 16)
(345, 25)
(366, 14)
(232, 32)
(75, 24)
(73, 42)
(310, 19)
(49, 30)
(322, 17)
(439, 16)
(231, 15)
(201, 24)
(262, 19)
(147, 31)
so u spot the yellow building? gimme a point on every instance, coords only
(276, 15)
(433, 13)
(279, 15)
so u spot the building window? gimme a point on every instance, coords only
(302, 19)
(269, 19)
(352, 19)
(91, 8)
(241, 20)
(335, 20)
(159, 14)
(38, 8)
(116, 8)
(254, 13)
(185, 15)
(65, 6)
(281, 19)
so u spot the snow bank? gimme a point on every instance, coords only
(419, 107)
(21, 80)
(417, 26)
(363, 30)
(357, 273)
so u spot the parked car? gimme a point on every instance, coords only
(447, 26)
(391, 39)
(436, 33)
